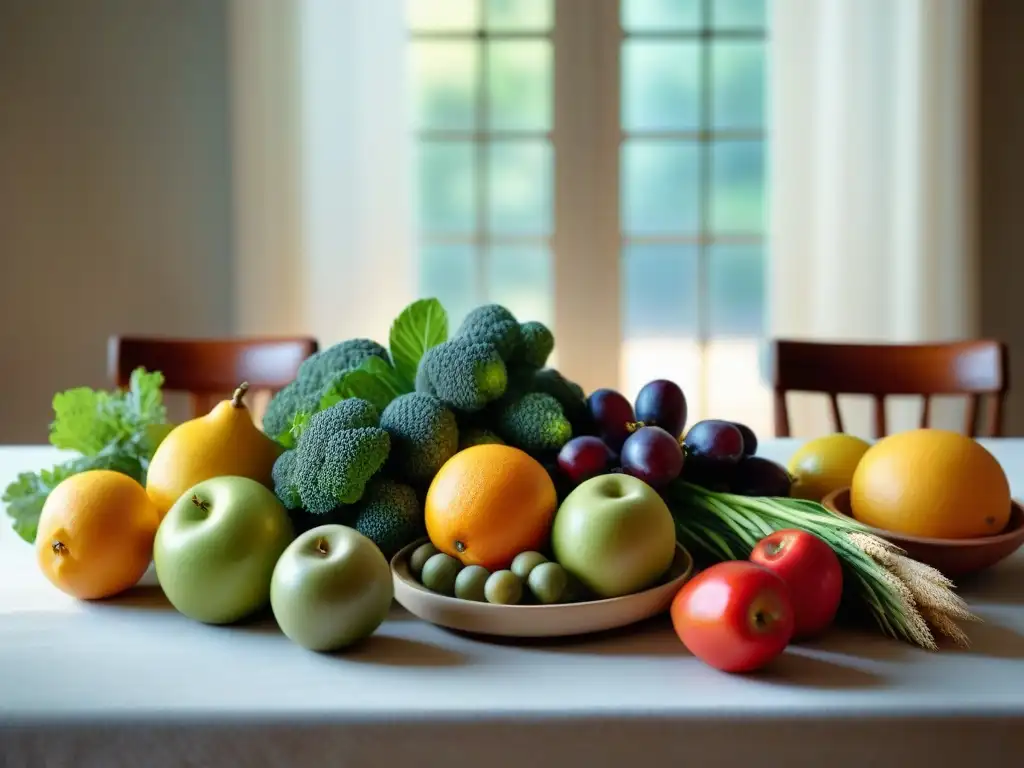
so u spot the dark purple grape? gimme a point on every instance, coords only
(749, 438)
(613, 416)
(714, 441)
(652, 455)
(757, 476)
(583, 458)
(661, 403)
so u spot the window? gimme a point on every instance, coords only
(483, 89)
(655, 179)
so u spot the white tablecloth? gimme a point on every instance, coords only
(132, 683)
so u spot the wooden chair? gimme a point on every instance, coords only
(971, 368)
(210, 369)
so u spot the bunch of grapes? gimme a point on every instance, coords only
(646, 439)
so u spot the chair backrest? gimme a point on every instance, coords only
(971, 368)
(210, 369)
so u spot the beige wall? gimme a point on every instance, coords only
(114, 188)
(1001, 213)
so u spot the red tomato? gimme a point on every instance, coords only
(735, 616)
(812, 572)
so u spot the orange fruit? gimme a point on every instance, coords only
(95, 535)
(488, 503)
(931, 483)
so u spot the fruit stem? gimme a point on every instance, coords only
(203, 505)
(58, 548)
(321, 546)
(633, 426)
(460, 547)
(236, 399)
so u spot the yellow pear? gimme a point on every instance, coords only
(223, 442)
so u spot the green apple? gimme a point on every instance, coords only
(331, 588)
(216, 548)
(615, 534)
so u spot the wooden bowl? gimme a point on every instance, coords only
(535, 620)
(953, 557)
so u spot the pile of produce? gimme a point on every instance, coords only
(528, 489)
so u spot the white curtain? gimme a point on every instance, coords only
(322, 167)
(872, 180)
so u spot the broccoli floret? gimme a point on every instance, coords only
(536, 342)
(493, 324)
(315, 376)
(534, 423)
(324, 365)
(569, 395)
(424, 435)
(463, 374)
(390, 515)
(282, 474)
(339, 451)
(299, 396)
(478, 436)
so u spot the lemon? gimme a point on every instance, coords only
(825, 464)
(932, 483)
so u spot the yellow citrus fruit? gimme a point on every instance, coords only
(488, 503)
(932, 483)
(825, 464)
(95, 535)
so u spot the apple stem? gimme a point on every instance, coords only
(59, 548)
(203, 505)
(321, 546)
(236, 398)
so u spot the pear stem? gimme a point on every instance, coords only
(236, 399)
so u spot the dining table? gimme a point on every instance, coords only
(131, 682)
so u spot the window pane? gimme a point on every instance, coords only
(660, 85)
(738, 84)
(659, 187)
(519, 187)
(519, 85)
(737, 192)
(520, 15)
(659, 311)
(520, 278)
(447, 202)
(736, 277)
(736, 389)
(660, 15)
(448, 273)
(444, 83)
(738, 14)
(443, 15)
(659, 291)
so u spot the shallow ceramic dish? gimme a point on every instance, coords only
(535, 620)
(953, 557)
